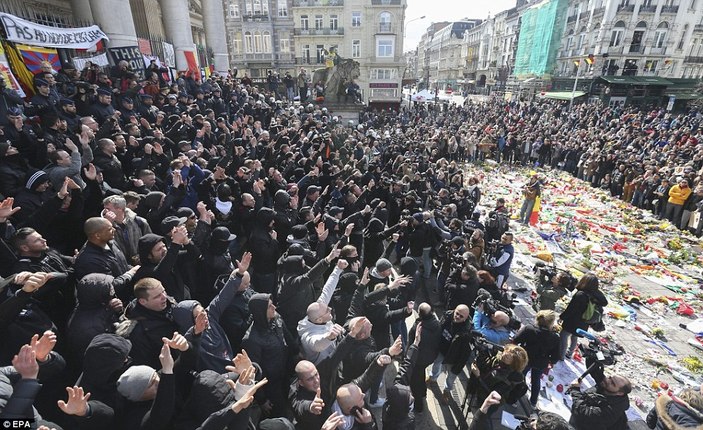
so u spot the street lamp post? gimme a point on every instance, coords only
(405, 28)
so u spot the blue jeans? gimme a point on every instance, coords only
(290, 93)
(526, 211)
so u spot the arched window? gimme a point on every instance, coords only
(384, 21)
(660, 34)
(258, 48)
(267, 42)
(683, 37)
(248, 45)
(617, 34)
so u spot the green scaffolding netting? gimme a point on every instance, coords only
(541, 29)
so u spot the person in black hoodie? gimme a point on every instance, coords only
(106, 357)
(161, 262)
(542, 345)
(265, 252)
(297, 288)
(269, 343)
(97, 312)
(396, 413)
(342, 297)
(374, 235)
(462, 287)
(428, 348)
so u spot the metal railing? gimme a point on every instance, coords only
(648, 9)
(670, 9)
(319, 32)
(255, 17)
(698, 27)
(385, 3)
(384, 27)
(695, 60)
(315, 3)
(626, 8)
(635, 49)
(598, 11)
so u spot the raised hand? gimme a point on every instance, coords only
(243, 266)
(166, 358)
(342, 264)
(25, 363)
(333, 254)
(6, 209)
(176, 342)
(349, 229)
(90, 172)
(77, 402)
(365, 277)
(335, 331)
(241, 363)
(42, 346)
(384, 360)
(363, 416)
(317, 404)
(396, 348)
(334, 421)
(201, 322)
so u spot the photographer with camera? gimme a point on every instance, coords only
(501, 258)
(539, 421)
(449, 257)
(602, 406)
(542, 345)
(500, 372)
(552, 285)
(491, 323)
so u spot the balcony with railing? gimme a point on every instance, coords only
(317, 3)
(386, 2)
(572, 18)
(626, 8)
(636, 49)
(257, 57)
(385, 27)
(698, 27)
(648, 9)
(695, 60)
(255, 17)
(598, 11)
(285, 57)
(657, 51)
(670, 9)
(319, 32)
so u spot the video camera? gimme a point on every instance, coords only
(598, 351)
(491, 305)
(546, 274)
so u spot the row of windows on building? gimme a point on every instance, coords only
(257, 7)
(259, 42)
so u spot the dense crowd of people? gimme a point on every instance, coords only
(209, 254)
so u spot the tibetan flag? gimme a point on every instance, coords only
(534, 216)
(33, 56)
(18, 67)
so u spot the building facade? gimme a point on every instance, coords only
(194, 28)
(633, 38)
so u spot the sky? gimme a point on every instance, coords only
(445, 10)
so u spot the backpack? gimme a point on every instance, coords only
(593, 315)
(498, 222)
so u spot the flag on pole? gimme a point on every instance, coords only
(577, 63)
(590, 59)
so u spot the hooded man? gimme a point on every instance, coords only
(161, 262)
(269, 343)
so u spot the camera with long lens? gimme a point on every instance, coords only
(545, 274)
(505, 303)
(597, 351)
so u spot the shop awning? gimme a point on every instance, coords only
(691, 95)
(563, 95)
(637, 80)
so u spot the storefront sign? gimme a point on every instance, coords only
(23, 31)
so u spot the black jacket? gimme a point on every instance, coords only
(454, 343)
(264, 249)
(572, 316)
(111, 261)
(167, 270)
(542, 345)
(297, 288)
(145, 328)
(593, 410)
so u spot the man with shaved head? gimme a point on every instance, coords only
(100, 254)
(312, 393)
(454, 347)
(317, 331)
